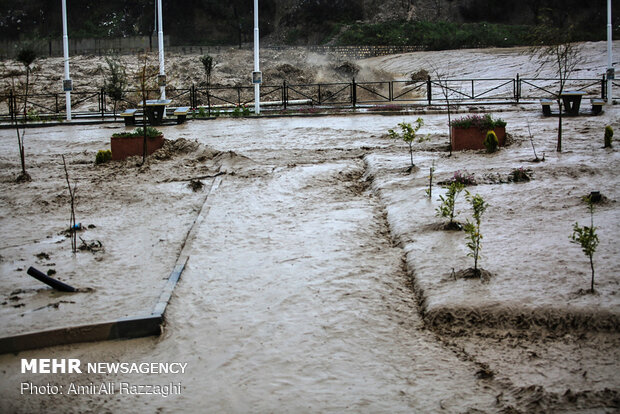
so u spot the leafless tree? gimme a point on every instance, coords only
(554, 49)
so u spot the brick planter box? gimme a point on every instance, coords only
(473, 138)
(123, 147)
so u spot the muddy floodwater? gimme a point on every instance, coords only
(310, 273)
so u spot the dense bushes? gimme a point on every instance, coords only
(435, 35)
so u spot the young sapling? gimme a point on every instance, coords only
(409, 136)
(587, 238)
(446, 208)
(474, 237)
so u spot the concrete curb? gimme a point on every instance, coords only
(125, 328)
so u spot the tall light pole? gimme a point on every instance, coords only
(256, 75)
(610, 67)
(160, 40)
(66, 85)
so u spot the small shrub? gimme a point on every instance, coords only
(202, 113)
(409, 135)
(491, 142)
(482, 122)
(446, 209)
(609, 136)
(474, 237)
(237, 112)
(520, 175)
(103, 156)
(33, 115)
(587, 238)
(139, 132)
(463, 178)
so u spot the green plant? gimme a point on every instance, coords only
(520, 175)
(491, 142)
(201, 112)
(463, 178)
(236, 112)
(482, 122)
(151, 132)
(474, 237)
(103, 156)
(409, 135)
(115, 83)
(33, 115)
(208, 63)
(446, 208)
(429, 190)
(587, 238)
(609, 136)
(246, 111)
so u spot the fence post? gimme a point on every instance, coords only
(391, 91)
(429, 90)
(353, 93)
(284, 94)
(103, 105)
(517, 88)
(56, 97)
(604, 87)
(473, 94)
(11, 105)
(238, 96)
(319, 95)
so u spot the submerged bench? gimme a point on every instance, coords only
(181, 114)
(129, 115)
(597, 105)
(546, 106)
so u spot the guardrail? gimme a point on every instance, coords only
(425, 91)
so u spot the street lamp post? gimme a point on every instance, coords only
(160, 40)
(66, 85)
(256, 75)
(610, 67)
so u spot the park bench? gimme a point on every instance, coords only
(181, 114)
(546, 106)
(129, 115)
(597, 105)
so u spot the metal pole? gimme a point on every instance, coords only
(256, 62)
(160, 39)
(609, 60)
(65, 47)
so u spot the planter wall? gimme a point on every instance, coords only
(123, 147)
(473, 138)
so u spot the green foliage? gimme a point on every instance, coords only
(491, 142)
(439, 35)
(115, 82)
(241, 110)
(409, 135)
(208, 63)
(520, 175)
(33, 115)
(26, 55)
(482, 122)
(429, 190)
(587, 238)
(474, 237)
(609, 136)
(139, 132)
(103, 156)
(446, 208)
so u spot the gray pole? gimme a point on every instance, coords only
(160, 39)
(256, 63)
(65, 47)
(610, 69)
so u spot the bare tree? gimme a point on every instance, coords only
(115, 82)
(553, 47)
(446, 91)
(26, 56)
(72, 226)
(145, 78)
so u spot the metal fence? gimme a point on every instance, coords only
(278, 97)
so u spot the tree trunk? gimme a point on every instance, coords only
(559, 147)
(592, 282)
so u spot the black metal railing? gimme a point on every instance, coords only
(224, 98)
